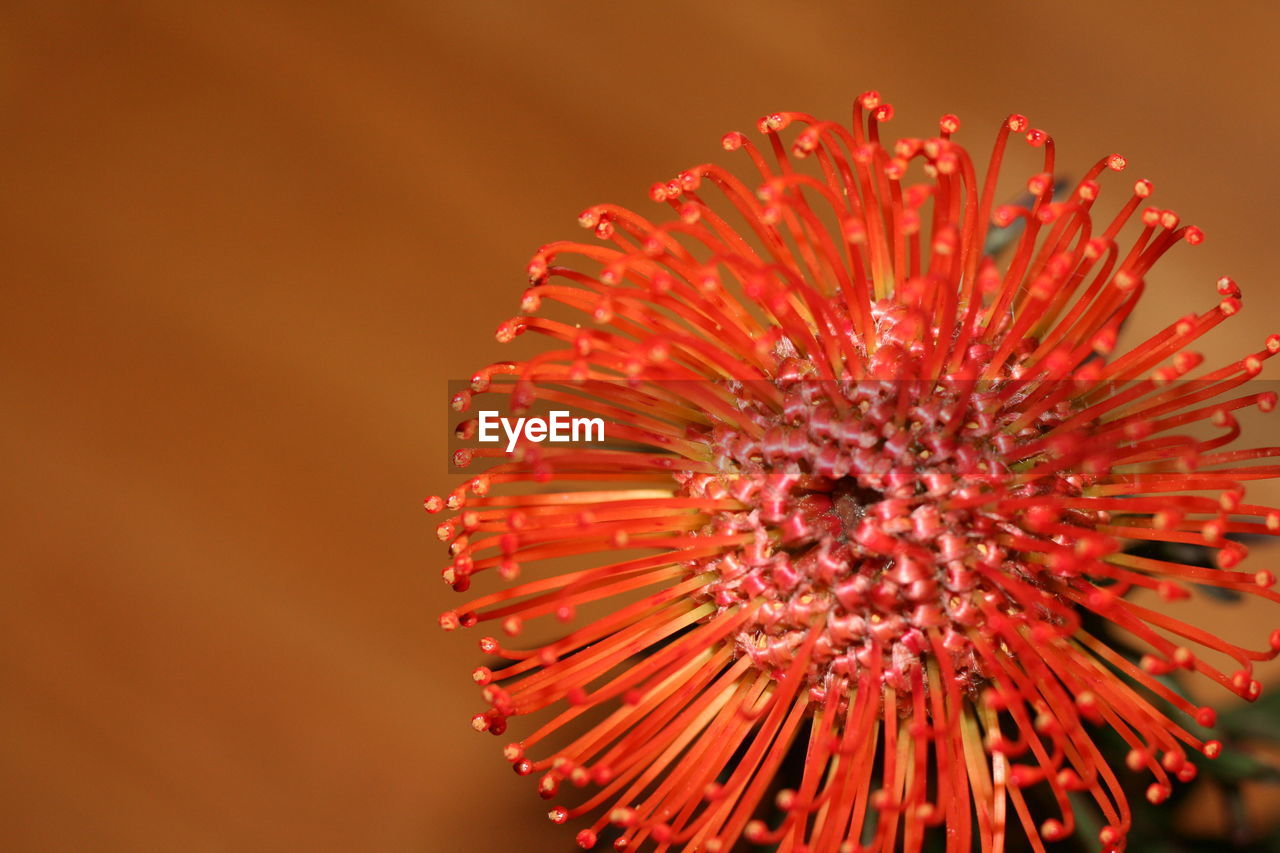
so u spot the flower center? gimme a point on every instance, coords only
(881, 515)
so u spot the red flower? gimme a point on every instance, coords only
(870, 502)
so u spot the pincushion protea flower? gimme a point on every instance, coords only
(870, 504)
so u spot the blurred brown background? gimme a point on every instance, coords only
(245, 246)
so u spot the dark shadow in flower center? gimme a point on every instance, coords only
(849, 502)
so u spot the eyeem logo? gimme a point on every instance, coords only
(559, 428)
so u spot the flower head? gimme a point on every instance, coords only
(876, 464)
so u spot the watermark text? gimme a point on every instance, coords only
(558, 428)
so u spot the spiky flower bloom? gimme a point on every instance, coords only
(871, 505)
